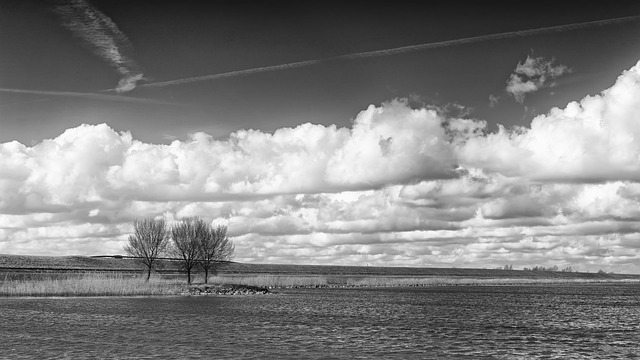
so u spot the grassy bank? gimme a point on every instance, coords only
(91, 285)
(106, 284)
(114, 284)
(273, 281)
(121, 276)
(444, 281)
(119, 285)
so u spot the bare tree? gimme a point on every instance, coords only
(214, 248)
(148, 241)
(185, 235)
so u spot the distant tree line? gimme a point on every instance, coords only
(554, 268)
(538, 268)
(195, 242)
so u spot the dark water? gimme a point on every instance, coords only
(510, 322)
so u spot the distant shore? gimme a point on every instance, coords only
(122, 276)
(121, 264)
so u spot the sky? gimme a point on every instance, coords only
(448, 134)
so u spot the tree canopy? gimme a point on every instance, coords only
(149, 240)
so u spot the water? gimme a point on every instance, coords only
(469, 322)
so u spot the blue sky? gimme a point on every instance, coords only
(450, 134)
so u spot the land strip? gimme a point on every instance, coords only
(27, 265)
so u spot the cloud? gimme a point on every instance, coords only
(493, 100)
(104, 38)
(128, 83)
(533, 74)
(594, 140)
(386, 145)
(400, 186)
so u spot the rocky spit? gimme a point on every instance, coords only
(225, 289)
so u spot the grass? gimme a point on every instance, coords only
(440, 281)
(278, 281)
(110, 284)
(272, 281)
(96, 284)
(90, 285)
(75, 263)
(110, 276)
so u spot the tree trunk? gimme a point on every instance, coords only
(189, 276)
(206, 275)
(148, 273)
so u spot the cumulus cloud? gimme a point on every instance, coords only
(531, 75)
(104, 38)
(594, 140)
(401, 186)
(87, 164)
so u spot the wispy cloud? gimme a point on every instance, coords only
(91, 96)
(22, 102)
(493, 100)
(105, 39)
(396, 51)
(532, 75)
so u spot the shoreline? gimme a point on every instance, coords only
(118, 286)
(67, 276)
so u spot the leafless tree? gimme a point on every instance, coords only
(214, 248)
(148, 241)
(186, 236)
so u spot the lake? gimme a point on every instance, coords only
(465, 322)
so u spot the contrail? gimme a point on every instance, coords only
(22, 102)
(398, 50)
(104, 38)
(92, 96)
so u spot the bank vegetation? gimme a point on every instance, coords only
(90, 285)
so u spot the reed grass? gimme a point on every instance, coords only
(110, 284)
(91, 285)
(441, 281)
(279, 281)
(272, 281)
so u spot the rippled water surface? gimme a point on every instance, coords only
(484, 322)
